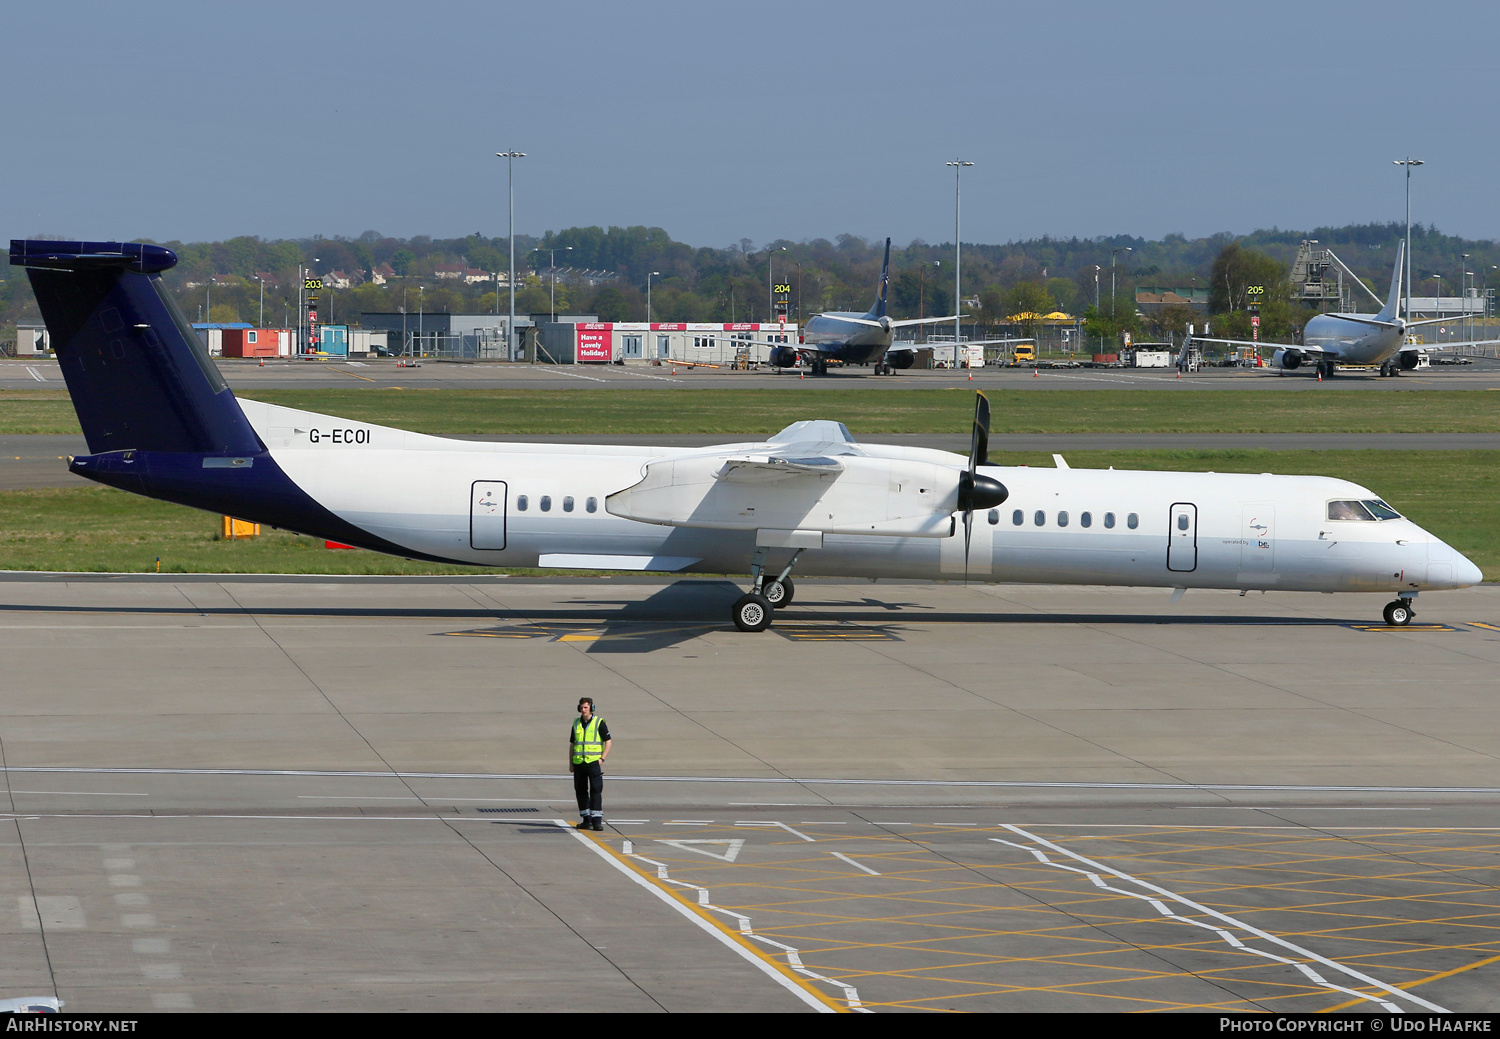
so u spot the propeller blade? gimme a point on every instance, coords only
(968, 536)
(979, 444)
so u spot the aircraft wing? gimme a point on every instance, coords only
(1414, 347)
(904, 322)
(1260, 345)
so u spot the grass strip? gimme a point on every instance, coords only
(735, 412)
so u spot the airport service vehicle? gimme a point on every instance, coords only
(844, 337)
(1024, 353)
(160, 421)
(1376, 341)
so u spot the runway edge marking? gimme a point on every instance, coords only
(800, 989)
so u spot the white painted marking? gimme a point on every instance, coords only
(720, 936)
(643, 375)
(52, 912)
(856, 865)
(628, 848)
(729, 854)
(150, 946)
(38, 376)
(87, 793)
(124, 880)
(1298, 808)
(131, 898)
(784, 826)
(571, 375)
(823, 822)
(356, 364)
(1222, 917)
(750, 780)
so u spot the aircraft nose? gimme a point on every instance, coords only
(1465, 573)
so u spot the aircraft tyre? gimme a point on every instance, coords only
(778, 593)
(752, 612)
(1398, 614)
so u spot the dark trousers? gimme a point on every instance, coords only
(588, 784)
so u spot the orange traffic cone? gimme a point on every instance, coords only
(971, 376)
(1179, 373)
(1033, 373)
(1320, 375)
(801, 374)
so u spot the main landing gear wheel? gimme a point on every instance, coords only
(752, 613)
(1398, 614)
(778, 593)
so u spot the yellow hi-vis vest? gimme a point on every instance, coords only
(587, 746)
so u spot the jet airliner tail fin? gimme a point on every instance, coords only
(139, 376)
(1392, 308)
(878, 310)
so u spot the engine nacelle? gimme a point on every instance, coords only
(1409, 359)
(902, 359)
(781, 357)
(1288, 359)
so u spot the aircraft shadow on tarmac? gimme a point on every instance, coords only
(688, 609)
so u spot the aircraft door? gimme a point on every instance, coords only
(487, 515)
(1182, 538)
(1257, 539)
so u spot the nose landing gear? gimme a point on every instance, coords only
(1398, 614)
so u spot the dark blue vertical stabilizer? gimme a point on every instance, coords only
(878, 310)
(139, 377)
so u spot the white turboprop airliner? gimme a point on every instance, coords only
(160, 421)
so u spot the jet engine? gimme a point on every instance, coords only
(1288, 359)
(902, 359)
(1409, 359)
(781, 357)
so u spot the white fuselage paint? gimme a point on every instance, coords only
(1352, 342)
(1244, 531)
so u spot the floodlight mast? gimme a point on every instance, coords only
(958, 263)
(510, 327)
(1408, 162)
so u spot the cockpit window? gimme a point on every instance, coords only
(1381, 509)
(1348, 510)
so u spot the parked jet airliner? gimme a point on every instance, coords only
(1360, 339)
(160, 421)
(844, 337)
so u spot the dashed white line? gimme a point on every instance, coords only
(784, 826)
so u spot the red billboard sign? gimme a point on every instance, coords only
(594, 342)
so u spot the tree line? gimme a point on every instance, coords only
(251, 279)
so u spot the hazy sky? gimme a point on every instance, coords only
(769, 120)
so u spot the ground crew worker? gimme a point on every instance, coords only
(588, 746)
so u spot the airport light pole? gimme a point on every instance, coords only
(552, 267)
(1463, 292)
(1408, 162)
(510, 327)
(1097, 269)
(1112, 252)
(958, 266)
(1437, 301)
(262, 281)
(649, 276)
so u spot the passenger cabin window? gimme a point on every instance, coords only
(994, 516)
(1109, 521)
(1018, 517)
(1062, 519)
(568, 503)
(592, 505)
(1040, 519)
(522, 502)
(1132, 521)
(546, 503)
(1085, 519)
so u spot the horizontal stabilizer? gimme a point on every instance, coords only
(763, 468)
